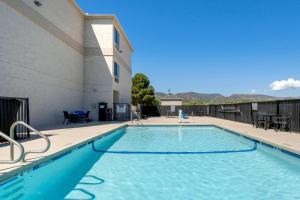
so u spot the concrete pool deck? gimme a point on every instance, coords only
(64, 138)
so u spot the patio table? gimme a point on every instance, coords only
(77, 115)
(267, 118)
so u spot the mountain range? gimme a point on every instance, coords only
(204, 98)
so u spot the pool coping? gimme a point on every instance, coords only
(13, 174)
(272, 145)
(269, 144)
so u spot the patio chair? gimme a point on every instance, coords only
(260, 120)
(67, 117)
(282, 123)
(87, 119)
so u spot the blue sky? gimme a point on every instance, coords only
(212, 46)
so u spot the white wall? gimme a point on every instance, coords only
(98, 33)
(123, 57)
(100, 55)
(124, 84)
(98, 62)
(59, 59)
(98, 83)
(63, 14)
(37, 65)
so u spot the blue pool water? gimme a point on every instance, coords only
(160, 162)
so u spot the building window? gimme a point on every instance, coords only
(116, 38)
(116, 72)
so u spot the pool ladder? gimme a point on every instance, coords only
(12, 142)
(23, 153)
(137, 120)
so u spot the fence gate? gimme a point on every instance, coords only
(121, 111)
(11, 110)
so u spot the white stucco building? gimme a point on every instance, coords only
(61, 58)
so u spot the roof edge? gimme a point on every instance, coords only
(104, 16)
(116, 22)
(75, 4)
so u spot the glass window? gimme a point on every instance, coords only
(116, 71)
(116, 37)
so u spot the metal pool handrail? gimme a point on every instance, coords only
(12, 128)
(12, 143)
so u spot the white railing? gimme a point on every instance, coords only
(12, 143)
(12, 132)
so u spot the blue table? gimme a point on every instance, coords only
(78, 116)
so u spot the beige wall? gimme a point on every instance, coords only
(170, 103)
(38, 65)
(63, 14)
(124, 84)
(123, 57)
(98, 62)
(100, 56)
(98, 33)
(60, 58)
(125, 49)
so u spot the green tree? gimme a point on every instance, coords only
(142, 92)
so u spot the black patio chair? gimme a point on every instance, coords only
(67, 117)
(282, 123)
(260, 120)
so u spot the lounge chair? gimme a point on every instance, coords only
(182, 116)
(185, 116)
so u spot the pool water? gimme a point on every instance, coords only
(164, 163)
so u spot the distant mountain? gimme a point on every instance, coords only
(191, 95)
(255, 97)
(204, 98)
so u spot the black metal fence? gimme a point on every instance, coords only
(121, 111)
(289, 108)
(242, 112)
(166, 110)
(11, 110)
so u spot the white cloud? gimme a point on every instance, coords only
(285, 84)
(253, 91)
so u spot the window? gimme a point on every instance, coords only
(117, 72)
(116, 38)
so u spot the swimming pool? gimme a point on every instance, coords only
(163, 162)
